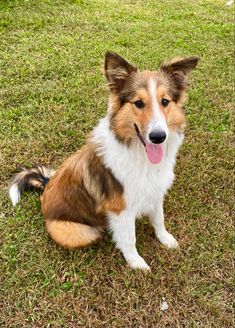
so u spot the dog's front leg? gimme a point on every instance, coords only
(157, 220)
(123, 229)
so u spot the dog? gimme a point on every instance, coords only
(126, 166)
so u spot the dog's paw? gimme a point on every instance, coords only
(138, 263)
(167, 240)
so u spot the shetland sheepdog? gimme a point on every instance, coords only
(126, 166)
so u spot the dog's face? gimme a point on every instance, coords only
(146, 105)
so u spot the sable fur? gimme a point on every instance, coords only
(127, 84)
(111, 180)
(82, 190)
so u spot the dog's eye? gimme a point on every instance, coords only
(139, 104)
(165, 102)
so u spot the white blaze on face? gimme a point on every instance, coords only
(157, 123)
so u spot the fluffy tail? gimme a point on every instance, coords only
(34, 178)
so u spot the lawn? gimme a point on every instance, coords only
(52, 94)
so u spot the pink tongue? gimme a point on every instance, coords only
(155, 152)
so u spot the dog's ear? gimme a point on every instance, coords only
(117, 71)
(178, 69)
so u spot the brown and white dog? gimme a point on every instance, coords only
(126, 166)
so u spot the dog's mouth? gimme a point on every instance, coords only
(154, 151)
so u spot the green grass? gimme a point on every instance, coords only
(52, 94)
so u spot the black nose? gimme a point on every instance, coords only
(157, 137)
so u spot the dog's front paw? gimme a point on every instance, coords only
(167, 239)
(138, 263)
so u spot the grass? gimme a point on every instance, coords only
(52, 94)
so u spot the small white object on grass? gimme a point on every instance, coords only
(229, 3)
(164, 305)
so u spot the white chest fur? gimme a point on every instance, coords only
(144, 183)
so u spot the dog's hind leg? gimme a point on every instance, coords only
(71, 234)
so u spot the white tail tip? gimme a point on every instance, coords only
(14, 194)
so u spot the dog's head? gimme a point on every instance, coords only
(148, 104)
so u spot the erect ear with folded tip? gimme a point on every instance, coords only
(178, 70)
(117, 71)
